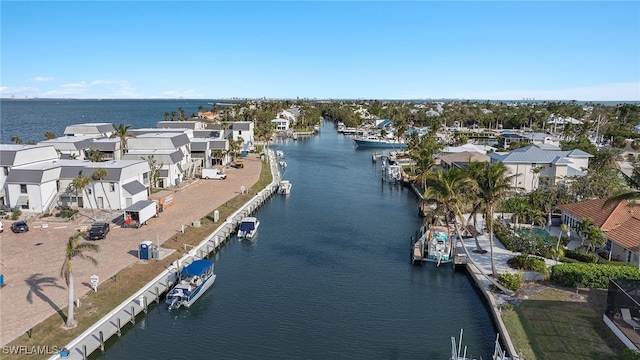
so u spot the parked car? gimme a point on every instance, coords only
(98, 231)
(213, 173)
(238, 164)
(1, 227)
(19, 226)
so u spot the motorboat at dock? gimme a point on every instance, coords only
(284, 188)
(193, 281)
(248, 227)
(433, 246)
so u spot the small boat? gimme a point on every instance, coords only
(279, 154)
(283, 164)
(379, 142)
(284, 187)
(433, 246)
(248, 227)
(193, 281)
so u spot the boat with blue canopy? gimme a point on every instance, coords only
(193, 281)
(248, 227)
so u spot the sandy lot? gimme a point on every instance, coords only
(31, 261)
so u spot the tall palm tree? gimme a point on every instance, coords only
(630, 195)
(81, 183)
(99, 174)
(96, 155)
(75, 249)
(122, 132)
(449, 191)
(564, 228)
(493, 184)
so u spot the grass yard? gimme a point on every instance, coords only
(557, 323)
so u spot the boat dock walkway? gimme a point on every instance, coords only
(94, 338)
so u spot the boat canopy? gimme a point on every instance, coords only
(247, 226)
(197, 268)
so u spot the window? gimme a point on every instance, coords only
(89, 191)
(112, 187)
(23, 188)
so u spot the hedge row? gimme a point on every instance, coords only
(591, 275)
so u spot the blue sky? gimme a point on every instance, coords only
(586, 51)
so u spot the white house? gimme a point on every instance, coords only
(530, 164)
(280, 124)
(244, 130)
(71, 147)
(12, 156)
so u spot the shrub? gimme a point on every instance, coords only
(16, 214)
(510, 280)
(66, 212)
(581, 256)
(629, 354)
(590, 275)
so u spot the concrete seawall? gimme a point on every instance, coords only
(112, 323)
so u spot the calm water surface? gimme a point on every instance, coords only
(328, 277)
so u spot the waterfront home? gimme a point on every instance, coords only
(461, 159)
(619, 221)
(244, 130)
(507, 138)
(171, 165)
(90, 129)
(164, 142)
(12, 156)
(71, 147)
(292, 114)
(38, 187)
(475, 148)
(531, 164)
(280, 124)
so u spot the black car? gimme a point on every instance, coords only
(98, 230)
(19, 227)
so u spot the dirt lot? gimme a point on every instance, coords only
(31, 261)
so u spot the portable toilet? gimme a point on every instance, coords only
(145, 250)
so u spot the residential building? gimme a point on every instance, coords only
(90, 129)
(619, 221)
(531, 164)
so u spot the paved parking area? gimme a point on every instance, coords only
(31, 261)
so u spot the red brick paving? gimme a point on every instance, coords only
(39, 253)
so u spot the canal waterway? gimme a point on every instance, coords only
(328, 277)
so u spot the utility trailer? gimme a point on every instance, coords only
(139, 213)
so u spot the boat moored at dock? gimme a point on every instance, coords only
(284, 188)
(248, 227)
(378, 142)
(433, 245)
(193, 281)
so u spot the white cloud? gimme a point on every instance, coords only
(41, 79)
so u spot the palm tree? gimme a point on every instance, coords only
(122, 132)
(96, 155)
(99, 174)
(630, 196)
(449, 191)
(49, 135)
(75, 249)
(16, 139)
(493, 184)
(564, 228)
(82, 183)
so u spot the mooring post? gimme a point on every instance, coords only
(84, 352)
(119, 327)
(157, 295)
(101, 341)
(133, 315)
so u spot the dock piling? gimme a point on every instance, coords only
(101, 341)
(119, 327)
(133, 315)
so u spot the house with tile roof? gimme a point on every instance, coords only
(531, 164)
(619, 221)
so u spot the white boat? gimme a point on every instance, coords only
(279, 154)
(283, 164)
(284, 187)
(248, 227)
(433, 246)
(193, 281)
(379, 142)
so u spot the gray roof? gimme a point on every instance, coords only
(199, 146)
(240, 126)
(218, 144)
(134, 187)
(533, 154)
(25, 176)
(89, 128)
(206, 133)
(105, 144)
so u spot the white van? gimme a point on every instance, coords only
(213, 173)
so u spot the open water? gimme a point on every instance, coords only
(328, 276)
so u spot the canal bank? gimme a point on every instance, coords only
(125, 314)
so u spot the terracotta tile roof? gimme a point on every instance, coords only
(620, 221)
